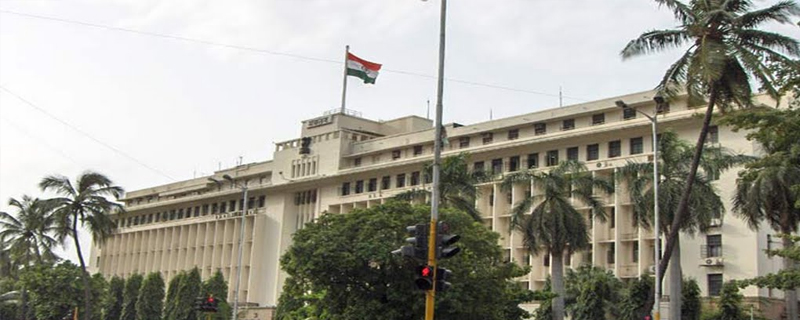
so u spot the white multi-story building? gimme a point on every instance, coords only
(342, 162)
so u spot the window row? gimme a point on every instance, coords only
(371, 185)
(203, 210)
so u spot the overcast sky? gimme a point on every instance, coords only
(202, 83)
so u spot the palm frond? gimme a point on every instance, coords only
(780, 12)
(770, 40)
(654, 41)
(60, 184)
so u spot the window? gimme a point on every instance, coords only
(572, 154)
(360, 186)
(196, 211)
(262, 201)
(552, 158)
(395, 154)
(714, 284)
(592, 152)
(568, 124)
(662, 108)
(614, 149)
(513, 134)
(415, 178)
(487, 137)
(628, 113)
(463, 142)
(635, 252)
(533, 160)
(214, 210)
(357, 162)
(637, 145)
(400, 181)
(180, 214)
(386, 182)
(150, 218)
(232, 205)
(599, 118)
(714, 245)
(610, 254)
(417, 150)
(345, 188)
(205, 209)
(713, 134)
(477, 166)
(539, 128)
(526, 259)
(612, 218)
(513, 163)
(497, 166)
(546, 260)
(372, 185)
(509, 198)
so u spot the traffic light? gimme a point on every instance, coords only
(418, 248)
(208, 304)
(442, 275)
(424, 280)
(444, 242)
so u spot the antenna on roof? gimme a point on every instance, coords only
(490, 114)
(560, 98)
(428, 114)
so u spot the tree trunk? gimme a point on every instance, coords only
(24, 304)
(683, 205)
(87, 290)
(675, 282)
(557, 279)
(789, 295)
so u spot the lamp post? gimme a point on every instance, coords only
(654, 124)
(243, 187)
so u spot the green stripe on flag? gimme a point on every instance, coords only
(360, 74)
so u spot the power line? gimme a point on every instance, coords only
(86, 134)
(273, 52)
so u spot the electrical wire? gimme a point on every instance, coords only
(86, 134)
(273, 52)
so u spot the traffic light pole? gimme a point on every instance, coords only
(437, 159)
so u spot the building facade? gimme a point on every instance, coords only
(342, 162)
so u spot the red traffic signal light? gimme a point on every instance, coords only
(210, 299)
(424, 279)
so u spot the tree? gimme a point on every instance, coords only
(83, 202)
(130, 295)
(633, 299)
(786, 279)
(592, 293)
(704, 200)
(768, 190)
(189, 288)
(341, 267)
(113, 303)
(171, 300)
(150, 301)
(457, 185)
(218, 288)
(29, 231)
(548, 219)
(725, 50)
(730, 303)
(56, 290)
(691, 307)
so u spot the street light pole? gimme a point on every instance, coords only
(241, 244)
(437, 155)
(654, 125)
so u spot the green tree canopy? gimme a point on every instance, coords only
(112, 309)
(171, 300)
(592, 293)
(55, 291)
(217, 287)
(150, 302)
(130, 295)
(341, 267)
(189, 289)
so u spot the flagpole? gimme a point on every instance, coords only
(344, 77)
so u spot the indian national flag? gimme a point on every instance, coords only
(361, 68)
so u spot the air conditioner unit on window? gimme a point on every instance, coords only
(651, 269)
(716, 222)
(712, 261)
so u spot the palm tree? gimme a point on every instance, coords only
(705, 202)
(548, 220)
(725, 51)
(457, 185)
(83, 202)
(30, 232)
(764, 193)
